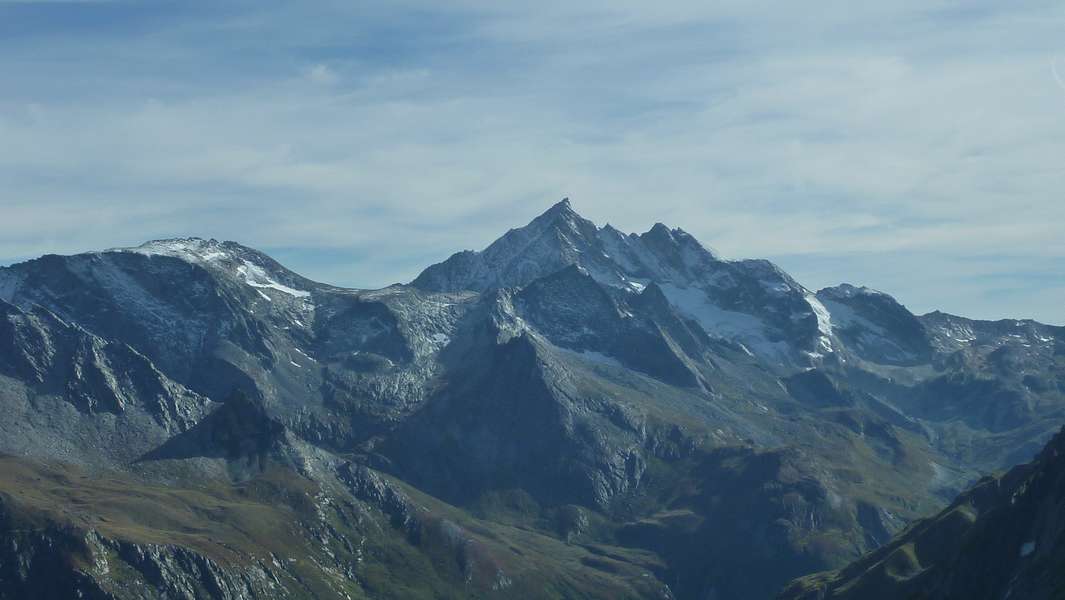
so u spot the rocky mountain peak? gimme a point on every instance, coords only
(847, 290)
(663, 236)
(209, 253)
(557, 238)
(562, 209)
(560, 219)
(659, 230)
(560, 237)
(228, 259)
(751, 301)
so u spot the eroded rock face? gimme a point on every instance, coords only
(370, 487)
(93, 374)
(68, 562)
(875, 327)
(180, 573)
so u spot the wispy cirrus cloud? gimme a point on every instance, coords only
(322, 74)
(912, 146)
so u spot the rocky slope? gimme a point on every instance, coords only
(616, 415)
(1004, 538)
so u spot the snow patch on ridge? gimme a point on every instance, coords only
(741, 327)
(188, 249)
(847, 290)
(201, 251)
(256, 276)
(824, 322)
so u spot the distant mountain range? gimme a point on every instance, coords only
(572, 412)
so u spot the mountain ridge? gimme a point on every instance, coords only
(633, 402)
(1003, 538)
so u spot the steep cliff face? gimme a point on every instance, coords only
(875, 326)
(70, 395)
(1004, 538)
(61, 562)
(72, 533)
(93, 374)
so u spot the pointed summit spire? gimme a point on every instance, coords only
(557, 238)
(562, 207)
(562, 214)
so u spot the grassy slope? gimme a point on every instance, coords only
(274, 516)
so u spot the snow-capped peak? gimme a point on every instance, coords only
(245, 264)
(560, 237)
(192, 249)
(752, 301)
(561, 216)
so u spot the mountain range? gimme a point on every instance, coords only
(572, 412)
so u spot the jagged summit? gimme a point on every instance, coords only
(562, 207)
(561, 214)
(660, 231)
(752, 302)
(749, 301)
(560, 237)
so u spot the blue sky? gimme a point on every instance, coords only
(915, 147)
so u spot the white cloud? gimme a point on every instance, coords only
(322, 75)
(880, 145)
(1057, 67)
